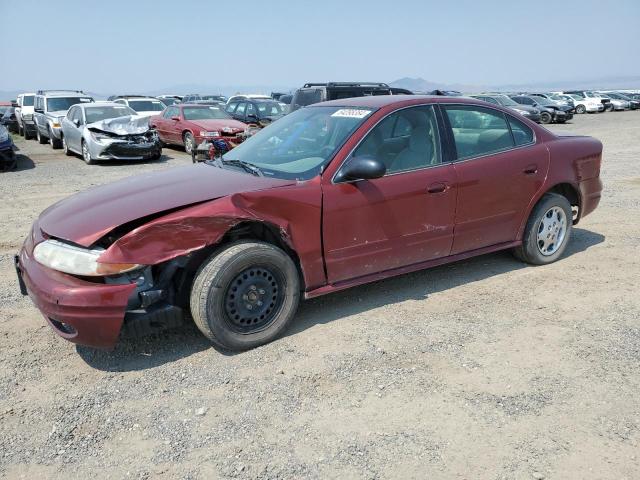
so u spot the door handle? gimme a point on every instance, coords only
(437, 187)
(531, 170)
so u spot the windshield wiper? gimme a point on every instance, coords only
(247, 166)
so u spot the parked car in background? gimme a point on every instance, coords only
(633, 104)
(526, 111)
(257, 110)
(286, 99)
(550, 112)
(145, 106)
(189, 125)
(563, 101)
(8, 158)
(197, 98)
(248, 96)
(587, 104)
(50, 107)
(584, 96)
(108, 131)
(445, 93)
(548, 102)
(8, 117)
(331, 196)
(24, 115)
(170, 99)
(311, 93)
(619, 104)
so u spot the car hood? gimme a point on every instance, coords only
(57, 114)
(213, 124)
(127, 125)
(86, 217)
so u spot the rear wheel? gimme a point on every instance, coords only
(547, 232)
(545, 117)
(65, 147)
(245, 295)
(189, 142)
(25, 131)
(581, 109)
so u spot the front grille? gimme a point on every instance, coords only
(131, 149)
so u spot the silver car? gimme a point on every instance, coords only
(108, 131)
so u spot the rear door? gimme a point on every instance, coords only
(499, 168)
(403, 218)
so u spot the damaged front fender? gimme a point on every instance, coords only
(196, 227)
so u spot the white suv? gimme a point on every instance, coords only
(24, 115)
(144, 106)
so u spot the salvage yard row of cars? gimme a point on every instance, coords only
(135, 127)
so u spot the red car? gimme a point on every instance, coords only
(191, 124)
(331, 196)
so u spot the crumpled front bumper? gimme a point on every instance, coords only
(123, 150)
(82, 312)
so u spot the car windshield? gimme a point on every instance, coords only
(63, 103)
(219, 98)
(27, 101)
(268, 109)
(300, 144)
(96, 114)
(543, 101)
(505, 101)
(556, 97)
(576, 97)
(204, 113)
(146, 105)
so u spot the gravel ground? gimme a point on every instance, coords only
(484, 369)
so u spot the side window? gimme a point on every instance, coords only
(251, 109)
(171, 112)
(522, 134)
(490, 100)
(71, 114)
(231, 107)
(120, 101)
(478, 130)
(405, 140)
(240, 108)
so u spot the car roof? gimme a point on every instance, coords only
(100, 104)
(379, 101)
(199, 105)
(65, 94)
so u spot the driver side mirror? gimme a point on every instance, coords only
(76, 122)
(365, 167)
(175, 119)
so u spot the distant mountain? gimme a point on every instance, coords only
(604, 83)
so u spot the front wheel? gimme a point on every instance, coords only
(56, 143)
(41, 138)
(189, 142)
(86, 154)
(545, 117)
(581, 109)
(65, 147)
(245, 295)
(547, 232)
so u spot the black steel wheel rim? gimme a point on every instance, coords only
(253, 299)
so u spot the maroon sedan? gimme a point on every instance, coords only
(331, 196)
(191, 124)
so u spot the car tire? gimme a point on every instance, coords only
(20, 131)
(545, 117)
(56, 143)
(189, 142)
(547, 232)
(86, 154)
(581, 109)
(157, 156)
(245, 295)
(41, 139)
(65, 148)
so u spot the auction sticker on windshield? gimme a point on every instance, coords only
(351, 113)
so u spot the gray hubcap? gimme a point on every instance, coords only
(551, 231)
(188, 143)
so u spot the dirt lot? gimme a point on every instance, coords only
(485, 369)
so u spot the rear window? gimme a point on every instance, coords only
(521, 133)
(307, 97)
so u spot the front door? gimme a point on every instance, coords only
(403, 218)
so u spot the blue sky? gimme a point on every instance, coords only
(141, 45)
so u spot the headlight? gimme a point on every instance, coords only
(55, 124)
(99, 137)
(209, 134)
(27, 116)
(77, 260)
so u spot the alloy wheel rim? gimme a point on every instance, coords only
(188, 144)
(253, 299)
(85, 152)
(552, 230)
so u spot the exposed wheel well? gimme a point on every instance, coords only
(248, 230)
(570, 193)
